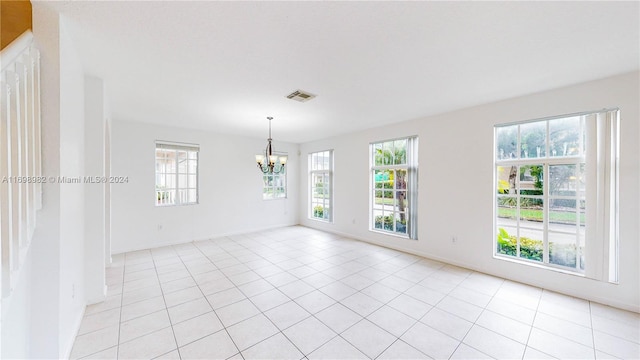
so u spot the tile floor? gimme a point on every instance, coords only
(298, 293)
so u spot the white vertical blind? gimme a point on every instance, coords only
(602, 156)
(412, 159)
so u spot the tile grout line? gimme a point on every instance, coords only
(378, 282)
(435, 307)
(363, 317)
(275, 288)
(124, 269)
(526, 344)
(461, 341)
(118, 341)
(593, 335)
(224, 327)
(290, 299)
(166, 308)
(568, 321)
(263, 314)
(205, 297)
(339, 302)
(535, 315)
(137, 317)
(399, 338)
(287, 271)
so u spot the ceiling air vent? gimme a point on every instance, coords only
(301, 96)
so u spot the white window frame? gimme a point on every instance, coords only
(178, 194)
(327, 173)
(411, 167)
(271, 195)
(600, 142)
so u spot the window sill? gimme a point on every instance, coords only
(401, 236)
(174, 205)
(537, 265)
(326, 221)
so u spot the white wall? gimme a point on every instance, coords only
(16, 316)
(72, 235)
(455, 152)
(230, 191)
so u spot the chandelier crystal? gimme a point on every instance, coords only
(274, 164)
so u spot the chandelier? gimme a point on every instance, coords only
(274, 164)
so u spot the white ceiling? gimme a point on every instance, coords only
(225, 66)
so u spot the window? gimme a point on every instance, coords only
(556, 192)
(394, 179)
(176, 174)
(320, 175)
(274, 185)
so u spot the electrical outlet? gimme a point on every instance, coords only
(159, 227)
(353, 221)
(454, 239)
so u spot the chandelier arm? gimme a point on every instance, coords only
(264, 169)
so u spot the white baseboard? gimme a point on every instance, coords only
(98, 299)
(78, 322)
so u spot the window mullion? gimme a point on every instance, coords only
(559, 160)
(594, 175)
(545, 201)
(177, 199)
(518, 196)
(578, 221)
(372, 195)
(547, 148)
(545, 214)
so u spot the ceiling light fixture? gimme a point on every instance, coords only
(274, 164)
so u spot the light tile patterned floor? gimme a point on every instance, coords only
(296, 293)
